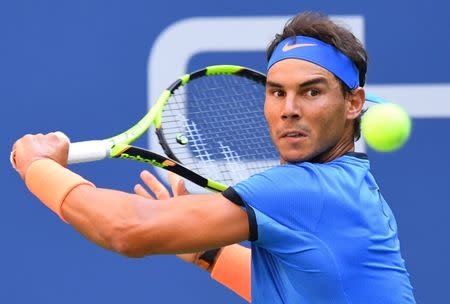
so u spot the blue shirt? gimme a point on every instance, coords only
(322, 233)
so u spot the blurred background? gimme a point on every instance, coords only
(91, 68)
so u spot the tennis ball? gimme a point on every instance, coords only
(386, 127)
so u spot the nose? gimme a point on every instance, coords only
(291, 109)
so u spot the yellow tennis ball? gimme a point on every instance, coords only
(386, 127)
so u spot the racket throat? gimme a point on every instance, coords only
(163, 142)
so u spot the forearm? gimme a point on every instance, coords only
(101, 215)
(135, 226)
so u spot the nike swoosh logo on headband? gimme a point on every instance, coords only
(288, 47)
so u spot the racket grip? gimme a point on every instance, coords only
(88, 151)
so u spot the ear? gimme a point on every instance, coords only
(355, 103)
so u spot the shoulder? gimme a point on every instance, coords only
(295, 194)
(290, 194)
(280, 180)
(306, 176)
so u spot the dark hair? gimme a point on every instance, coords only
(320, 27)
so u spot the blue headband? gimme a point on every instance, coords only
(320, 53)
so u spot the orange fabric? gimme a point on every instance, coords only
(233, 269)
(51, 183)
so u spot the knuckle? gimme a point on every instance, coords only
(161, 193)
(52, 135)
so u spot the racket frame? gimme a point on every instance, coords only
(119, 146)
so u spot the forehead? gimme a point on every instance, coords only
(296, 70)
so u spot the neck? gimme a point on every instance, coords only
(344, 145)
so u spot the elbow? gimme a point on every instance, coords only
(125, 247)
(131, 240)
(139, 232)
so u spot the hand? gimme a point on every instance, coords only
(160, 192)
(33, 147)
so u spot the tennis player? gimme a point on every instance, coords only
(320, 230)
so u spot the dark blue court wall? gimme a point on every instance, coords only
(82, 67)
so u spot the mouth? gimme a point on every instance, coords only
(293, 134)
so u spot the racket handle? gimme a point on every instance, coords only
(80, 152)
(88, 151)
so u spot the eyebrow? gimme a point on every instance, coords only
(314, 81)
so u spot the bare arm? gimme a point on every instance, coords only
(231, 266)
(135, 226)
(127, 223)
(233, 270)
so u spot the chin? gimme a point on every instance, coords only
(294, 157)
(295, 153)
(298, 155)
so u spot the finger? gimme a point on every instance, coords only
(180, 188)
(177, 184)
(18, 156)
(155, 185)
(140, 190)
(61, 135)
(63, 143)
(173, 178)
(12, 159)
(59, 139)
(12, 155)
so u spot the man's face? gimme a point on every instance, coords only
(305, 109)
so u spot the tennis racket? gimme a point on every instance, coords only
(208, 123)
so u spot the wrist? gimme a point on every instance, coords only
(207, 259)
(51, 182)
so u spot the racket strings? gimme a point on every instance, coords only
(222, 119)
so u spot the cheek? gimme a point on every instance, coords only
(328, 121)
(269, 113)
(335, 124)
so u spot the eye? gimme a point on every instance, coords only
(313, 92)
(278, 93)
